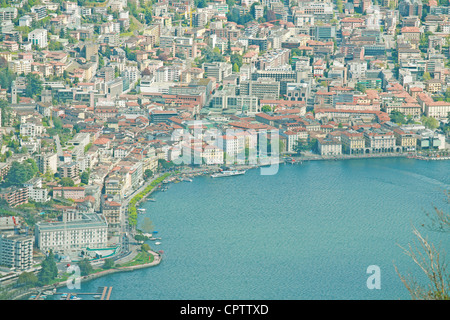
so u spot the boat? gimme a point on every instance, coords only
(48, 292)
(157, 243)
(227, 173)
(141, 209)
(152, 200)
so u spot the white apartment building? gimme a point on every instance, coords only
(167, 74)
(16, 252)
(31, 130)
(20, 66)
(132, 74)
(25, 21)
(47, 162)
(67, 235)
(437, 109)
(38, 37)
(35, 190)
(233, 147)
(212, 155)
(8, 13)
(329, 147)
(38, 194)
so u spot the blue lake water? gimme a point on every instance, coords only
(308, 232)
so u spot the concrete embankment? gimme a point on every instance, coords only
(156, 261)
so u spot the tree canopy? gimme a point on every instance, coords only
(49, 271)
(34, 85)
(21, 172)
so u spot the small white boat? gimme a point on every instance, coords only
(141, 209)
(157, 243)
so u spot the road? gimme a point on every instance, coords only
(59, 150)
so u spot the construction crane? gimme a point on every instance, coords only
(189, 13)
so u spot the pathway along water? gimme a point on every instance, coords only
(308, 232)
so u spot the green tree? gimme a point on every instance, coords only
(236, 59)
(397, 117)
(19, 173)
(84, 177)
(266, 108)
(148, 173)
(48, 271)
(85, 267)
(34, 85)
(55, 46)
(109, 263)
(430, 123)
(360, 87)
(303, 145)
(28, 279)
(5, 112)
(67, 182)
(140, 237)
(6, 78)
(426, 76)
(447, 96)
(145, 247)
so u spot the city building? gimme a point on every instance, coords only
(38, 37)
(329, 146)
(353, 142)
(89, 232)
(14, 195)
(16, 252)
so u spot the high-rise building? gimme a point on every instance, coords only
(263, 88)
(8, 13)
(14, 196)
(16, 252)
(217, 70)
(410, 8)
(47, 162)
(40, 11)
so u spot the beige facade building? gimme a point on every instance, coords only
(353, 142)
(406, 140)
(112, 211)
(380, 141)
(329, 146)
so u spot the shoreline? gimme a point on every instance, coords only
(207, 171)
(157, 259)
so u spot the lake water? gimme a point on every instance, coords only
(308, 232)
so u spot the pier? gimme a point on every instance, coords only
(103, 293)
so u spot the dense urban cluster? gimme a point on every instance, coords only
(99, 97)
